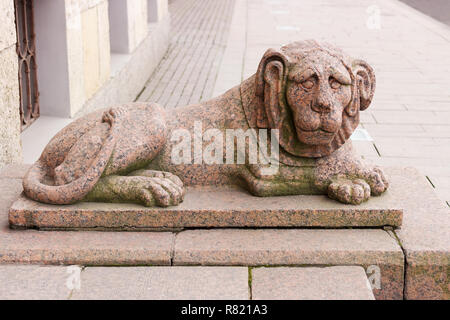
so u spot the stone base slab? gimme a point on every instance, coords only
(206, 207)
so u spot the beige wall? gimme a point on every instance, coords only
(137, 17)
(10, 146)
(129, 26)
(88, 49)
(157, 10)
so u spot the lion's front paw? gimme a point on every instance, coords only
(354, 191)
(349, 191)
(376, 180)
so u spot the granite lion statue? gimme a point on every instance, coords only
(305, 99)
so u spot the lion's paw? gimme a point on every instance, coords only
(355, 191)
(349, 191)
(376, 180)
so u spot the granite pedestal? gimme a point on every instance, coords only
(209, 207)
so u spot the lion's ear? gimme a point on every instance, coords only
(364, 87)
(270, 79)
(269, 56)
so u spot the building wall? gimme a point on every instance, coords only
(128, 19)
(10, 147)
(88, 49)
(157, 10)
(133, 70)
(76, 66)
(137, 17)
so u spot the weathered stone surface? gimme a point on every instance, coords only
(10, 188)
(8, 30)
(424, 236)
(179, 283)
(91, 248)
(10, 147)
(297, 247)
(34, 283)
(209, 207)
(330, 283)
(308, 95)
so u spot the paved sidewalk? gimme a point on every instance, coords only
(188, 72)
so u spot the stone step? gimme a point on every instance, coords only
(374, 250)
(311, 283)
(193, 283)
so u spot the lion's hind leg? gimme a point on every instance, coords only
(80, 157)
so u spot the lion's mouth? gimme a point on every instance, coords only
(315, 137)
(320, 130)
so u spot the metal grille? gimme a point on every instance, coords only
(29, 94)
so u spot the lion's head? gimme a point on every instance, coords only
(312, 93)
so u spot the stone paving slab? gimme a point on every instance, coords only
(295, 247)
(34, 282)
(309, 283)
(424, 236)
(209, 207)
(157, 283)
(198, 37)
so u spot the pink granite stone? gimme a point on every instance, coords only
(424, 236)
(311, 283)
(162, 283)
(92, 248)
(208, 207)
(364, 247)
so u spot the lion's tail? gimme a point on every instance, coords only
(35, 188)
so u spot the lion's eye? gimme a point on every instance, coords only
(334, 83)
(308, 84)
